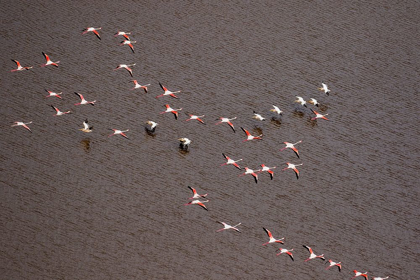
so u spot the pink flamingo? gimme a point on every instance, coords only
(272, 239)
(23, 124)
(227, 120)
(167, 92)
(292, 146)
(313, 256)
(49, 61)
(250, 137)
(293, 166)
(268, 170)
(195, 194)
(94, 30)
(20, 67)
(226, 226)
(198, 202)
(231, 161)
(252, 172)
(289, 252)
(170, 110)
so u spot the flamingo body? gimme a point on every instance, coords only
(231, 161)
(292, 146)
(25, 125)
(313, 255)
(126, 67)
(226, 226)
(94, 30)
(249, 136)
(129, 43)
(20, 67)
(198, 202)
(268, 170)
(318, 115)
(228, 121)
(252, 172)
(119, 132)
(358, 273)
(289, 252)
(271, 238)
(49, 61)
(83, 101)
(167, 92)
(195, 194)
(58, 112)
(293, 167)
(137, 85)
(170, 110)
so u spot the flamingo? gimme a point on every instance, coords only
(293, 166)
(23, 124)
(332, 263)
(59, 113)
(289, 252)
(357, 274)
(258, 116)
(173, 111)
(276, 110)
(137, 85)
(51, 93)
(301, 101)
(313, 101)
(184, 143)
(227, 120)
(83, 101)
(86, 127)
(126, 67)
(167, 92)
(292, 146)
(272, 239)
(198, 202)
(20, 67)
(49, 61)
(226, 226)
(152, 126)
(120, 132)
(267, 169)
(231, 161)
(380, 278)
(318, 115)
(129, 43)
(252, 172)
(249, 136)
(195, 194)
(324, 88)
(195, 117)
(92, 29)
(122, 33)
(313, 256)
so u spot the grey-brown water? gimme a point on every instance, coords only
(89, 206)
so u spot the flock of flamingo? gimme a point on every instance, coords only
(184, 143)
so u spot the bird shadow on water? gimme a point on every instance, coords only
(276, 121)
(150, 132)
(323, 107)
(257, 130)
(299, 113)
(85, 143)
(312, 123)
(183, 150)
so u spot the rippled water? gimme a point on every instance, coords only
(89, 206)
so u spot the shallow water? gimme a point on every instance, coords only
(89, 206)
